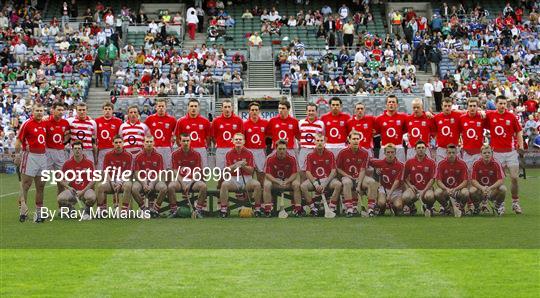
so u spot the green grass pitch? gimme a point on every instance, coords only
(408, 256)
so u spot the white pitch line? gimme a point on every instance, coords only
(16, 192)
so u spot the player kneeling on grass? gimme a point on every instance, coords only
(115, 162)
(320, 174)
(351, 166)
(186, 160)
(390, 172)
(487, 182)
(419, 174)
(452, 179)
(281, 174)
(148, 164)
(79, 189)
(239, 160)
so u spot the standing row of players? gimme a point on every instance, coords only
(43, 141)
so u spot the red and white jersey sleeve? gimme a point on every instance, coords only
(106, 130)
(255, 133)
(223, 130)
(162, 129)
(308, 130)
(335, 129)
(133, 135)
(503, 129)
(32, 136)
(487, 173)
(198, 128)
(287, 129)
(56, 130)
(448, 128)
(83, 131)
(365, 127)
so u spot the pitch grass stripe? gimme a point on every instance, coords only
(351, 272)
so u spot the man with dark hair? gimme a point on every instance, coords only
(453, 180)
(108, 126)
(419, 176)
(335, 123)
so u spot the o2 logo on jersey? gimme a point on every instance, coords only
(415, 132)
(445, 131)
(158, 134)
(419, 178)
(320, 171)
(80, 135)
(451, 181)
(499, 130)
(282, 134)
(471, 134)
(391, 132)
(309, 138)
(105, 134)
(485, 181)
(334, 132)
(41, 139)
(353, 170)
(281, 174)
(385, 179)
(194, 136)
(255, 139)
(57, 138)
(132, 140)
(227, 136)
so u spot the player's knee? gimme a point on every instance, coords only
(503, 189)
(202, 186)
(295, 185)
(267, 185)
(161, 186)
(439, 193)
(464, 192)
(347, 183)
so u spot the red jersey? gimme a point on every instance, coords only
(352, 162)
(365, 127)
(83, 131)
(78, 167)
(420, 128)
(224, 129)
(148, 161)
(55, 133)
(531, 105)
(133, 135)
(122, 161)
(286, 129)
(487, 173)
(452, 174)
(320, 165)
(448, 128)
(280, 168)
(234, 156)
(419, 172)
(255, 133)
(472, 132)
(106, 130)
(308, 130)
(182, 160)
(389, 171)
(503, 128)
(198, 128)
(335, 128)
(161, 128)
(32, 135)
(391, 128)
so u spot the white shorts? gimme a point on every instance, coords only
(240, 184)
(55, 158)
(260, 158)
(441, 153)
(88, 153)
(220, 157)
(507, 159)
(335, 150)
(101, 157)
(166, 154)
(400, 154)
(396, 194)
(469, 159)
(411, 153)
(33, 163)
(204, 156)
(302, 158)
